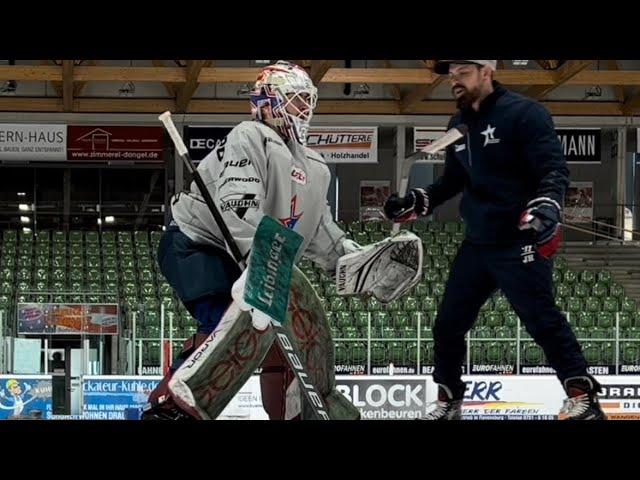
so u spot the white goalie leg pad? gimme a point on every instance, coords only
(208, 379)
(386, 269)
(178, 384)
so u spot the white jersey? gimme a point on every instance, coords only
(253, 173)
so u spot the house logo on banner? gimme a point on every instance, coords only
(345, 144)
(115, 143)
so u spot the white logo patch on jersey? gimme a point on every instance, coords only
(460, 147)
(299, 176)
(489, 136)
(527, 254)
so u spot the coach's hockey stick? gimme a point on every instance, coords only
(604, 224)
(452, 136)
(294, 359)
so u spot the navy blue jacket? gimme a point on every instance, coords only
(510, 156)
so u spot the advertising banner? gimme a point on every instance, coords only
(578, 202)
(68, 318)
(200, 141)
(423, 137)
(107, 397)
(31, 142)
(25, 396)
(345, 144)
(115, 144)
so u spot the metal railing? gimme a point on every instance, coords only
(515, 363)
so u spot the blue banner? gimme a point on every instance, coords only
(25, 396)
(113, 397)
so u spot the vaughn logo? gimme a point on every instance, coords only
(238, 203)
(342, 278)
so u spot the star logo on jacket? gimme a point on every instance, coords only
(489, 137)
(291, 221)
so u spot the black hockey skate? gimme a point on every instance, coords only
(447, 408)
(582, 402)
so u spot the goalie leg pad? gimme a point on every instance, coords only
(308, 327)
(161, 392)
(339, 407)
(217, 370)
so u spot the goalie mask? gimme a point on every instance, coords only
(284, 97)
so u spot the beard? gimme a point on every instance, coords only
(466, 99)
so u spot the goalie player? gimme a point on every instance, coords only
(263, 167)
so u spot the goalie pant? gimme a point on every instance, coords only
(203, 276)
